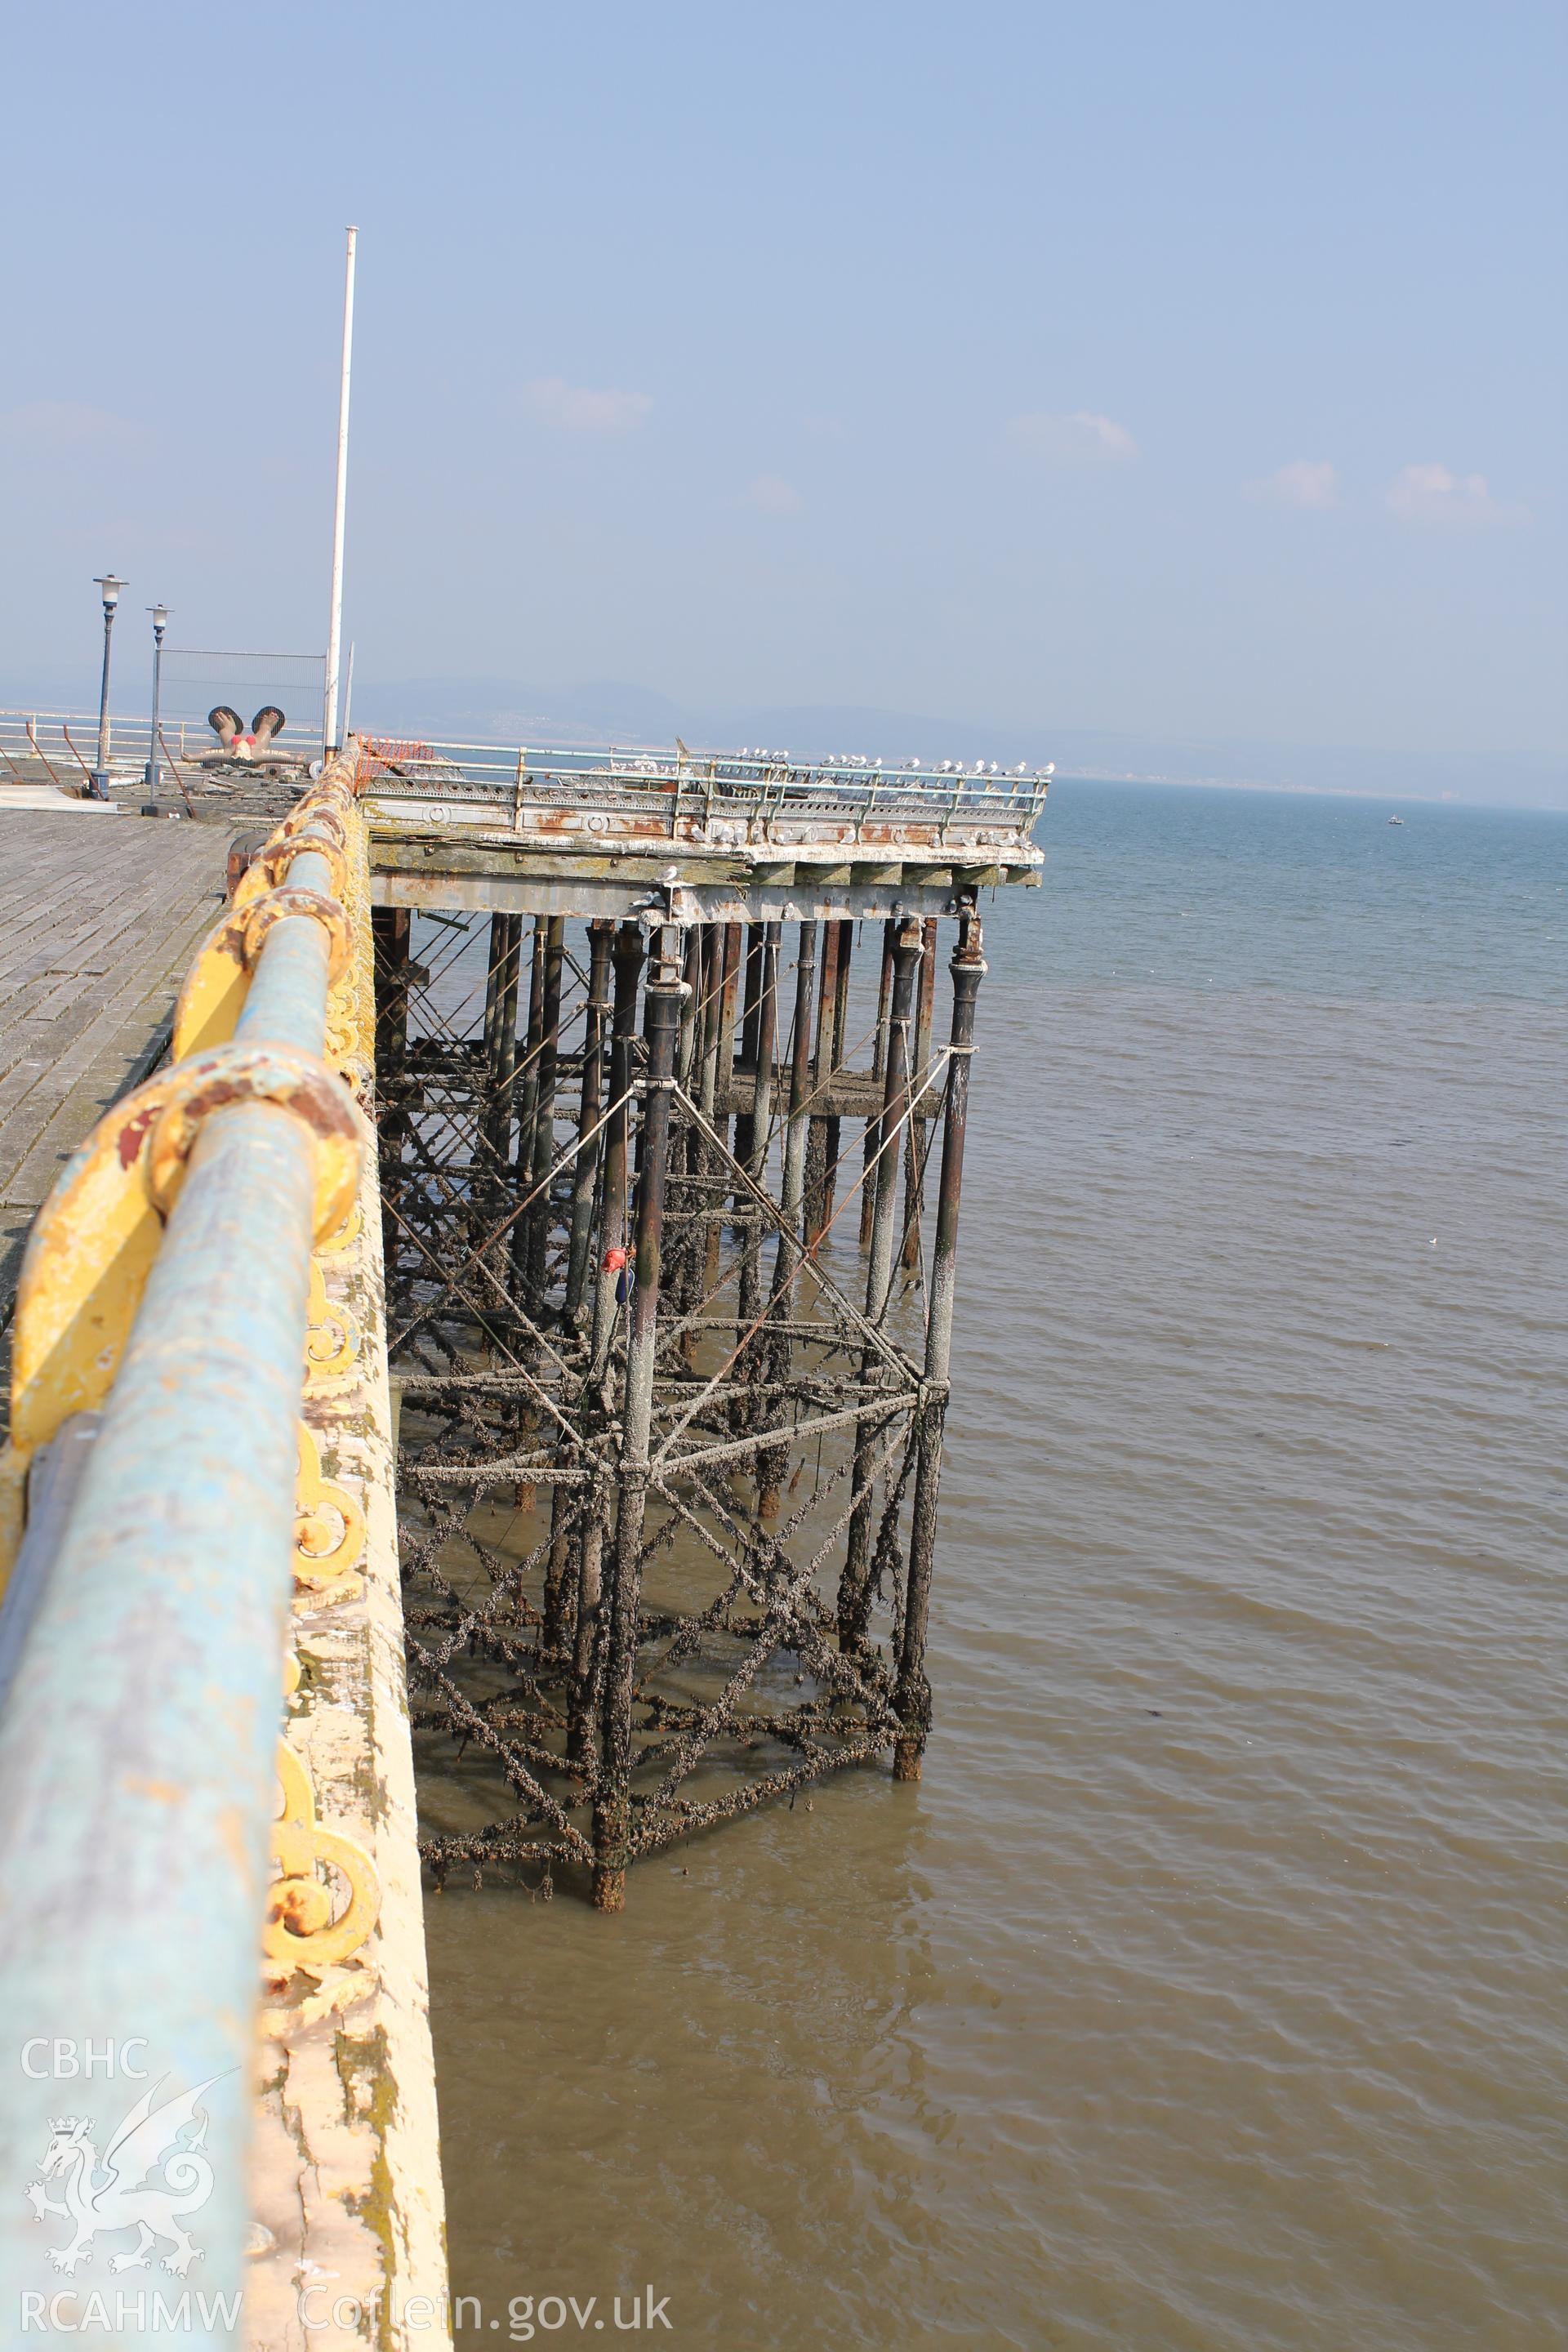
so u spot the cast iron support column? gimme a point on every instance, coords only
(539, 1216)
(593, 1407)
(390, 933)
(754, 1363)
(915, 1143)
(878, 1070)
(628, 957)
(911, 1696)
(612, 1802)
(724, 1086)
(570, 1509)
(854, 1599)
(793, 1187)
(690, 1006)
(485, 1121)
(833, 1129)
(491, 1097)
(526, 1087)
(774, 1461)
(751, 1015)
(816, 1202)
(600, 937)
(390, 930)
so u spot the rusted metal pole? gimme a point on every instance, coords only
(773, 1463)
(628, 962)
(833, 1128)
(498, 925)
(817, 1204)
(914, 1141)
(754, 1363)
(895, 1103)
(712, 935)
(505, 1062)
(628, 957)
(799, 1085)
(763, 1044)
(691, 1005)
(853, 1585)
(492, 1087)
(878, 1066)
(912, 1698)
(571, 1524)
(723, 1088)
(389, 930)
(612, 1804)
(584, 1174)
(528, 1091)
(755, 934)
(545, 1112)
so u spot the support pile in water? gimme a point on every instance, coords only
(671, 1447)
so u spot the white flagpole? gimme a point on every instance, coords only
(339, 512)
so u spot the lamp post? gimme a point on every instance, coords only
(160, 623)
(110, 587)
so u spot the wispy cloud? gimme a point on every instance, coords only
(773, 495)
(1432, 494)
(574, 408)
(1304, 482)
(1082, 438)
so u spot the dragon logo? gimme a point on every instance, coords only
(118, 2190)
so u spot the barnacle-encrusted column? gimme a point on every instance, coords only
(612, 1805)
(912, 1697)
(585, 1169)
(852, 1586)
(773, 1463)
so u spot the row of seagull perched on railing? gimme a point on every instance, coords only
(856, 765)
(903, 767)
(760, 782)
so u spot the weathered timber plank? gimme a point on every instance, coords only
(99, 920)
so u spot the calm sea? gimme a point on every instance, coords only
(1207, 1996)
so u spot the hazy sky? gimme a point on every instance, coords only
(1168, 368)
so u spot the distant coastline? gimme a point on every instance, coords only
(600, 713)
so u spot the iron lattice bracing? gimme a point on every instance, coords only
(671, 1343)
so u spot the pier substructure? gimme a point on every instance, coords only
(671, 1437)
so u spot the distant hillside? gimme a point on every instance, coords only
(494, 709)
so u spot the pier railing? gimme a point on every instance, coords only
(724, 799)
(60, 747)
(148, 1520)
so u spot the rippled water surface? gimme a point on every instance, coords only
(1207, 1993)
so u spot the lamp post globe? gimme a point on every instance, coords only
(160, 623)
(109, 586)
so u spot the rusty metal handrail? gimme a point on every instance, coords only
(139, 1740)
(757, 794)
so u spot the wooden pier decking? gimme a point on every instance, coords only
(100, 916)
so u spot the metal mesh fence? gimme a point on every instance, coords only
(196, 678)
